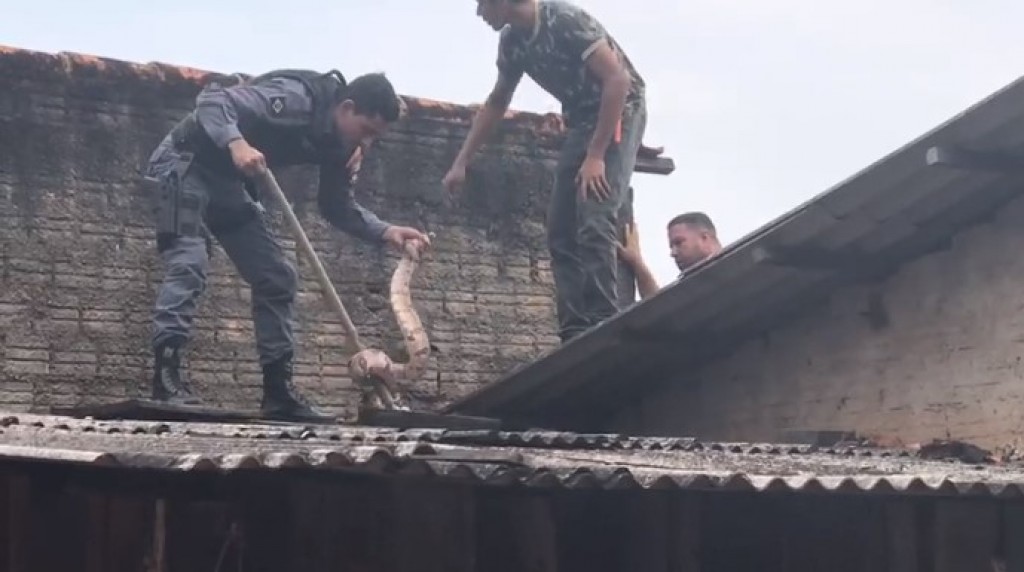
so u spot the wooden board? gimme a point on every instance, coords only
(426, 420)
(148, 410)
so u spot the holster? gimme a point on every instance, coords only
(179, 213)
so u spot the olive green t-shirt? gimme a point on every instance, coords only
(554, 55)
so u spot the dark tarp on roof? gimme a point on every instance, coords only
(897, 209)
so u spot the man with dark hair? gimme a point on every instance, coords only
(206, 169)
(692, 238)
(571, 56)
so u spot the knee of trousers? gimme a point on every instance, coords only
(187, 274)
(279, 282)
(560, 246)
(561, 239)
(598, 229)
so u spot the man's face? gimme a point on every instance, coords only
(688, 244)
(357, 130)
(494, 12)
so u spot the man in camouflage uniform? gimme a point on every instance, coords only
(206, 168)
(571, 56)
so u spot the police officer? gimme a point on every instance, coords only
(206, 168)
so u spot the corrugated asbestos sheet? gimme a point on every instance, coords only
(895, 210)
(531, 459)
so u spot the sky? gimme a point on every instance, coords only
(762, 105)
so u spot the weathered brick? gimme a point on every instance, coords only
(69, 314)
(69, 281)
(80, 370)
(97, 328)
(74, 357)
(20, 354)
(14, 367)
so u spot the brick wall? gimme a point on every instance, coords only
(949, 365)
(78, 266)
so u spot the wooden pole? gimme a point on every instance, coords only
(352, 342)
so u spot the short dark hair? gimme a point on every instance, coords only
(373, 95)
(694, 218)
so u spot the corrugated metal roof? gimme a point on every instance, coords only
(898, 209)
(531, 459)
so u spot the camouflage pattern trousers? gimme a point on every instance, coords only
(195, 205)
(583, 235)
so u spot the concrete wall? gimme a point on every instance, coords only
(78, 265)
(947, 365)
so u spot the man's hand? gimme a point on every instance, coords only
(629, 252)
(455, 179)
(398, 236)
(246, 158)
(591, 180)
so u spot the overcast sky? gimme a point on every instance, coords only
(761, 104)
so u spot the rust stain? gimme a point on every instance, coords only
(192, 74)
(84, 60)
(548, 123)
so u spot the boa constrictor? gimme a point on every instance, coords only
(371, 369)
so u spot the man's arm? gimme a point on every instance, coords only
(630, 254)
(645, 282)
(604, 63)
(338, 205)
(581, 36)
(489, 115)
(510, 73)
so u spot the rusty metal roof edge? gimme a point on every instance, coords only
(486, 472)
(489, 399)
(551, 460)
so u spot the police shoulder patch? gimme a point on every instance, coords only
(277, 105)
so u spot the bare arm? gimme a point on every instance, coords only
(488, 116)
(336, 199)
(645, 282)
(604, 63)
(630, 254)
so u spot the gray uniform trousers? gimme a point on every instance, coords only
(219, 206)
(583, 236)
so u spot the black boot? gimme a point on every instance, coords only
(170, 384)
(281, 401)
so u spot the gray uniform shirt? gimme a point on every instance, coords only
(256, 113)
(554, 55)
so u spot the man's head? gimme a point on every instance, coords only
(499, 13)
(368, 107)
(692, 238)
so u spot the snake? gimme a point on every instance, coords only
(381, 377)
